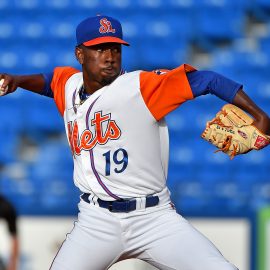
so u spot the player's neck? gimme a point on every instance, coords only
(91, 86)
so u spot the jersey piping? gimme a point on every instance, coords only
(92, 162)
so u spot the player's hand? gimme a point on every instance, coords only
(8, 84)
(263, 124)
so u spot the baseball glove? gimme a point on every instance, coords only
(233, 133)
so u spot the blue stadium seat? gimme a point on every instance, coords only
(61, 29)
(216, 24)
(176, 122)
(9, 147)
(248, 68)
(58, 4)
(92, 5)
(190, 204)
(131, 30)
(150, 4)
(53, 162)
(7, 31)
(4, 4)
(265, 43)
(182, 171)
(174, 4)
(130, 59)
(156, 55)
(41, 116)
(11, 125)
(264, 93)
(225, 4)
(53, 201)
(137, 23)
(118, 8)
(181, 155)
(20, 193)
(27, 4)
(60, 57)
(11, 113)
(9, 61)
(31, 29)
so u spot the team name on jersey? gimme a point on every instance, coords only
(105, 129)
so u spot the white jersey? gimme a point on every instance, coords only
(118, 136)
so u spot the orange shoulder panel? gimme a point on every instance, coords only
(60, 77)
(164, 91)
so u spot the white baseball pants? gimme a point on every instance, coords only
(157, 235)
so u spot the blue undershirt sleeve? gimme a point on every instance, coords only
(209, 82)
(47, 91)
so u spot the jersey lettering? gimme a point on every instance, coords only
(88, 140)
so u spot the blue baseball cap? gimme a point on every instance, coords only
(99, 29)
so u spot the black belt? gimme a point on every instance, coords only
(122, 205)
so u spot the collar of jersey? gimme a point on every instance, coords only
(83, 95)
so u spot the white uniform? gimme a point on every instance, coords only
(141, 142)
(119, 142)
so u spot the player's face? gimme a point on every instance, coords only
(101, 63)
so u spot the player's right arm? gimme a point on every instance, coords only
(48, 84)
(35, 83)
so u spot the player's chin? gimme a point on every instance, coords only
(109, 78)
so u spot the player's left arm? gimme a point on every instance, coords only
(261, 119)
(205, 82)
(164, 91)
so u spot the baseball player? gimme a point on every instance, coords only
(119, 141)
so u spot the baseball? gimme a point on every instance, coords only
(3, 91)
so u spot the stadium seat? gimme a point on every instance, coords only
(226, 4)
(7, 30)
(114, 7)
(8, 151)
(216, 25)
(11, 113)
(20, 193)
(58, 4)
(264, 43)
(3, 4)
(130, 59)
(190, 204)
(53, 161)
(156, 55)
(40, 119)
(86, 5)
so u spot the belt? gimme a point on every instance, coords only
(122, 205)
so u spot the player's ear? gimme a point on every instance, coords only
(79, 54)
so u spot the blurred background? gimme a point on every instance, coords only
(226, 36)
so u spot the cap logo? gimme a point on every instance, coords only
(105, 26)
